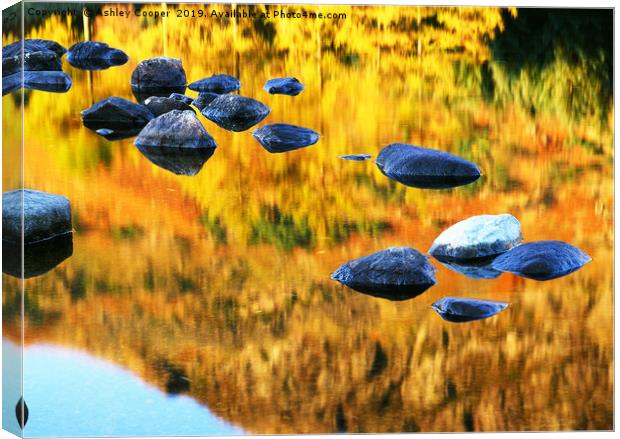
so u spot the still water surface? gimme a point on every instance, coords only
(215, 290)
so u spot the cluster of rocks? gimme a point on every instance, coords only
(480, 247)
(42, 63)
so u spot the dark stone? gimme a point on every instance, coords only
(181, 97)
(472, 268)
(204, 99)
(542, 260)
(356, 157)
(56, 82)
(220, 84)
(21, 412)
(45, 216)
(119, 133)
(143, 93)
(235, 113)
(398, 273)
(92, 55)
(284, 86)
(117, 115)
(175, 129)
(39, 258)
(180, 161)
(33, 61)
(282, 137)
(458, 310)
(425, 168)
(160, 105)
(33, 45)
(159, 73)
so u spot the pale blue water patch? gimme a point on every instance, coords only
(71, 393)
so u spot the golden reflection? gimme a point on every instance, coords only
(225, 275)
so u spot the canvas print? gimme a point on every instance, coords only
(231, 219)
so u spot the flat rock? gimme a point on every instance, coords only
(159, 73)
(116, 114)
(56, 82)
(33, 45)
(459, 310)
(180, 161)
(181, 97)
(220, 84)
(175, 129)
(479, 236)
(355, 157)
(282, 137)
(284, 86)
(397, 273)
(160, 105)
(204, 99)
(235, 113)
(38, 258)
(93, 55)
(34, 61)
(425, 168)
(542, 260)
(45, 216)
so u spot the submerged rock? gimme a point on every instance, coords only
(355, 157)
(425, 168)
(455, 309)
(176, 129)
(119, 133)
(33, 61)
(158, 77)
(56, 82)
(479, 236)
(282, 137)
(220, 84)
(92, 55)
(160, 105)
(180, 161)
(117, 115)
(235, 113)
(39, 258)
(542, 260)
(204, 99)
(397, 273)
(33, 45)
(284, 86)
(473, 268)
(45, 216)
(181, 97)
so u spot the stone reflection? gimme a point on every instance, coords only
(38, 259)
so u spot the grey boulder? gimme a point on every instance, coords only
(425, 168)
(284, 86)
(45, 216)
(204, 99)
(235, 113)
(542, 260)
(181, 97)
(476, 237)
(282, 137)
(93, 55)
(159, 73)
(397, 273)
(160, 105)
(220, 84)
(178, 129)
(459, 310)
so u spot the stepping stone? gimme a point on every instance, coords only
(220, 84)
(282, 137)
(397, 273)
(425, 168)
(33, 61)
(542, 260)
(158, 76)
(160, 105)
(459, 310)
(204, 99)
(33, 45)
(116, 115)
(175, 129)
(93, 55)
(235, 113)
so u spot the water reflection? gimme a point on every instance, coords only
(225, 275)
(180, 161)
(38, 258)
